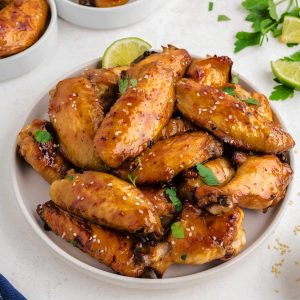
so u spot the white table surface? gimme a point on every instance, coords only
(36, 271)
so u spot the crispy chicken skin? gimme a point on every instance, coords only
(107, 200)
(105, 83)
(264, 108)
(75, 113)
(175, 59)
(220, 167)
(213, 71)
(230, 119)
(107, 246)
(176, 126)
(44, 158)
(260, 182)
(164, 208)
(22, 22)
(167, 158)
(206, 238)
(137, 117)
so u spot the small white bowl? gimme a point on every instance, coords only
(31, 190)
(106, 18)
(25, 61)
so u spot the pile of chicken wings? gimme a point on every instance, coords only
(123, 164)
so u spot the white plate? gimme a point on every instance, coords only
(106, 18)
(32, 190)
(25, 61)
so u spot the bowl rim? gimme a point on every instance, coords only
(44, 36)
(143, 283)
(106, 9)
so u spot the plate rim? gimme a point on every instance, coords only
(140, 283)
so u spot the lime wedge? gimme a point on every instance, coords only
(123, 52)
(288, 72)
(290, 30)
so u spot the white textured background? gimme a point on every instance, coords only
(39, 274)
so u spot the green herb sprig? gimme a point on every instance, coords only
(177, 230)
(264, 18)
(42, 136)
(125, 83)
(171, 193)
(207, 175)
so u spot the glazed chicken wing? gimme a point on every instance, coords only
(175, 59)
(22, 22)
(106, 246)
(164, 208)
(75, 113)
(213, 71)
(107, 200)
(230, 119)
(167, 158)
(206, 238)
(105, 83)
(137, 117)
(260, 182)
(174, 127)
(43, 157)
(263, 108)
(220, 167)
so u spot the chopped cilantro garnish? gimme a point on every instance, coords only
(210, 6)
(235, 79)
(207, 175)
(42, 136)
(70, 177)
(222, 18)
(124, 83)
(251, 101)
(177, 230)
(230, 91)
(171, 192)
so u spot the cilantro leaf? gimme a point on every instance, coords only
(281, 92)
(290, 45)
(293, 57)
(251, 101)
(132, 179)
(210, 6)
(123, 85)
(177, 230)
(183, 256)
(255, 5)
(74, 243)
(171, 192)
(246, 39)
(222, 18)
(272, 10)
(70, 177)
(42, 136)
(235, 79)
(230, 91)
(207, 175)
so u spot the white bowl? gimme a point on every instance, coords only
(25, 61)
(106, 18)
(32, 190)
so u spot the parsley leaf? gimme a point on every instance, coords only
(246, 39)
(130, 175)
(281, 92)
(124, 84)
(263, 15)
(177, 230)
(70, 177)
(183, 256)
(74, 243)
(171, 192)
(235, 79)
(251, 101)
(230, 91)
(133, 179)
(42, 136)
(210, 6)
(207, 175)
(222, 18)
